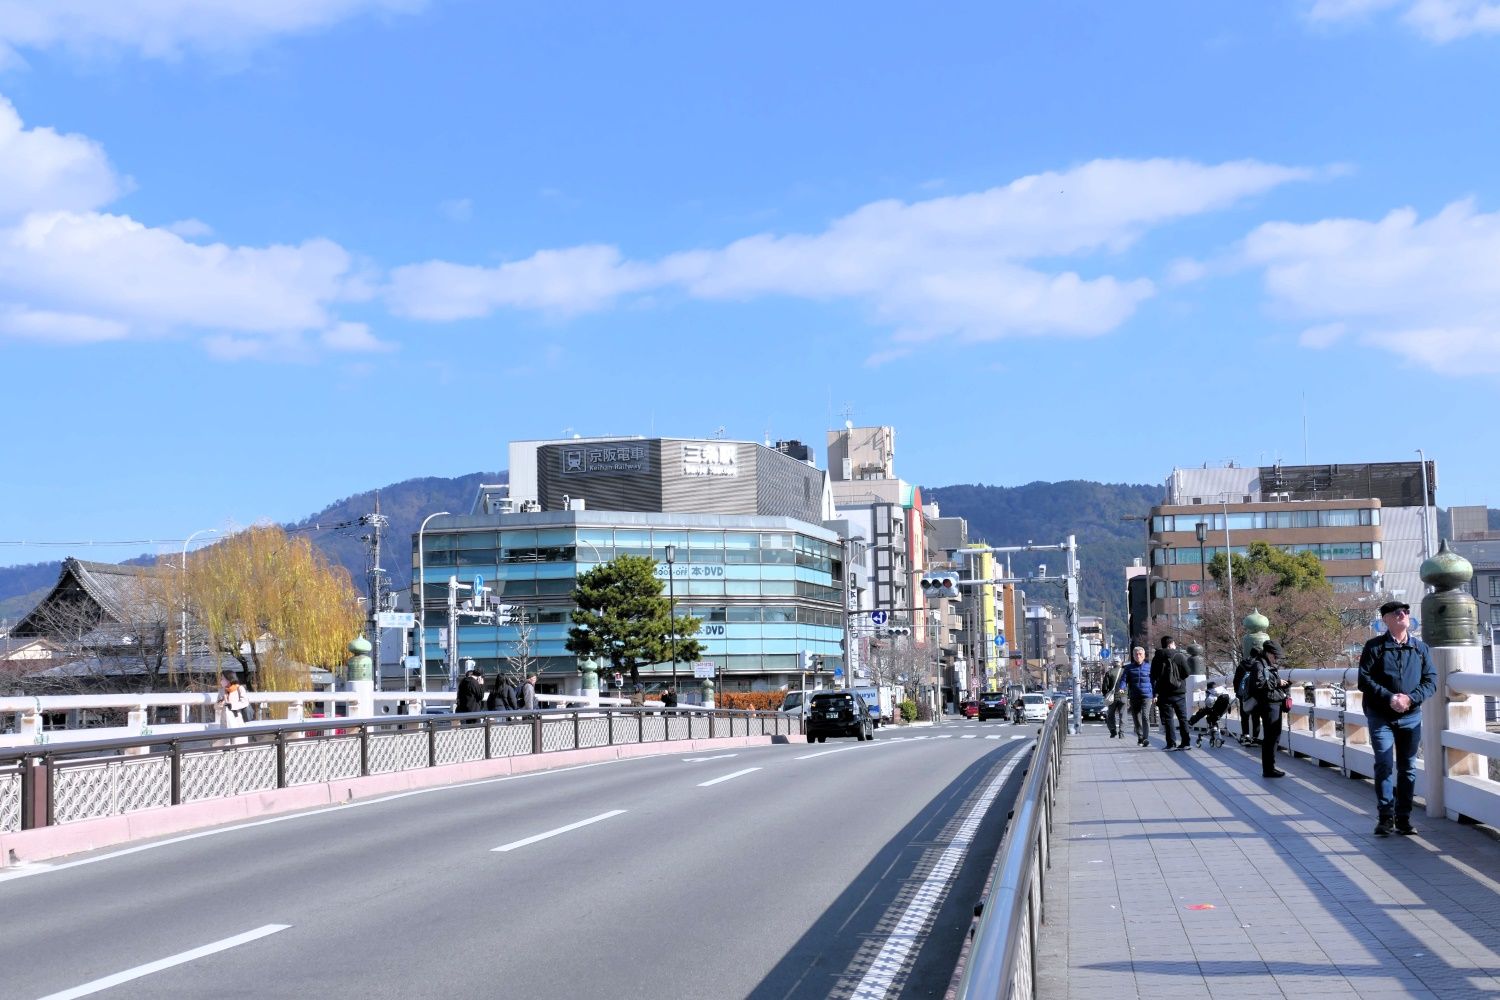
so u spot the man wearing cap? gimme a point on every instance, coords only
(1396, 675)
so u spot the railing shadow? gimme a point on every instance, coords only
(837, 951)
(1393, 944)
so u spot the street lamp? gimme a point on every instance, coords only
(422, 602)
(671, 553)
(182, 636)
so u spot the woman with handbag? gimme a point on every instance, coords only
(233, 700)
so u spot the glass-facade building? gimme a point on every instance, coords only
(766, 588)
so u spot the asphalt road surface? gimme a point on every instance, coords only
(840, 869)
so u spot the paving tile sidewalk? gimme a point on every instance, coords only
(1187, 874)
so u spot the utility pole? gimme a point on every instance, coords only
(375, 522)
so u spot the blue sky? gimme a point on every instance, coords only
(257, 255)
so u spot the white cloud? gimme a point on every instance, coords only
(168, 28)
(71, 273)
(1437, 20)
(575, 280)
(975, 265)
(41, 169)
(354, 338)
(191, 229)
(1428, 290)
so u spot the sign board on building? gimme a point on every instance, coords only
(704, 669)
(710, 459)
(395, 619)
(607, 459)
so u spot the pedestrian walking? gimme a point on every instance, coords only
(1170, 670)
(669, 698)
(528, 693)
(1138, 689)
(1396, 674)
(234, 701)
(470, 691)
(1116, 694)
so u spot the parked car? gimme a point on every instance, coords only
(992, 705)
(1034, 708)
(838, 713)
(969, 709)
(795, 703)
(1092, 706)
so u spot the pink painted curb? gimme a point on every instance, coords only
(111, 831)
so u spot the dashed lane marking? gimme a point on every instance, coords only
(727, 777)
(180, 958)
(504, 848)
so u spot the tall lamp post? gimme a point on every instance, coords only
(1201, 529)
(182, 636)
(422, 602)
(672, 605)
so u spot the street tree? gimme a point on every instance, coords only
(275, 605)
(1312, 621)
(622, 617)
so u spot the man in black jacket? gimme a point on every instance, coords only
(1396, 674)
(1249, 720)
(1169, 674)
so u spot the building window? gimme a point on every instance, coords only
(1495, 614)
(1495, 585)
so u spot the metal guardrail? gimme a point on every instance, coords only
(52, 784)
(1002, 961)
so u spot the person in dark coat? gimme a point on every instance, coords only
(1396, 674)
(1249, 721)
(470, 692)
(1169, 673)
(669, 698)
(1269, 692)
(1138, 687)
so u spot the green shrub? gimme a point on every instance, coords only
(908, 711)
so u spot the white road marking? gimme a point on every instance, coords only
(553, 833)
(881, 975)
(699, 760)
(1019, 736)
(997, 736)
(16, 871)
(969, 736)
(166, 963)
(726, 777)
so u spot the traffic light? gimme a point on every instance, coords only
(809, 661)
(939, 585)
(898, 630)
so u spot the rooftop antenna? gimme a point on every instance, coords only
(720, 432)
(1304, 428)
(848, 417)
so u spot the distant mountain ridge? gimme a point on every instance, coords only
(1040, 512)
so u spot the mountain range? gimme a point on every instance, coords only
(1104, 518)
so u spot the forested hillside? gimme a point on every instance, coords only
(1047, 513)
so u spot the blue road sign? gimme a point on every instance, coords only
(478, 584)
(1000, 639)
(838, 671)
(879, 617)
(1105, 653)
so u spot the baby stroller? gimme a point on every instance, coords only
(1205, 721)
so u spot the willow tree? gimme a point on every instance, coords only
(274, 604)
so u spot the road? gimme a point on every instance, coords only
(838, 869)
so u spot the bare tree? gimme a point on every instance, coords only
(521, 661)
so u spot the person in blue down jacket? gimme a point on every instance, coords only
(1396, 675)
(1138, 683)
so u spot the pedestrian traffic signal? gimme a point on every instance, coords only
(939, 585)
(808, 661)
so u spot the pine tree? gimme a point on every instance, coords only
(622, 617)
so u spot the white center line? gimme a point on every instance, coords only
(166, 963)
(726, 777)
(699, 760)
(553, 833)
(913, 922)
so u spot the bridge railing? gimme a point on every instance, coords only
(1327, 724)
(61, 783)
(1002, 961)
(23, 719)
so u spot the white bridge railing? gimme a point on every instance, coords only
(24, 721)
(1455, 776)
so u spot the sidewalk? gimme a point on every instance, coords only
(1187, 874)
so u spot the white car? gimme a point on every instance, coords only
(1034, 708)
